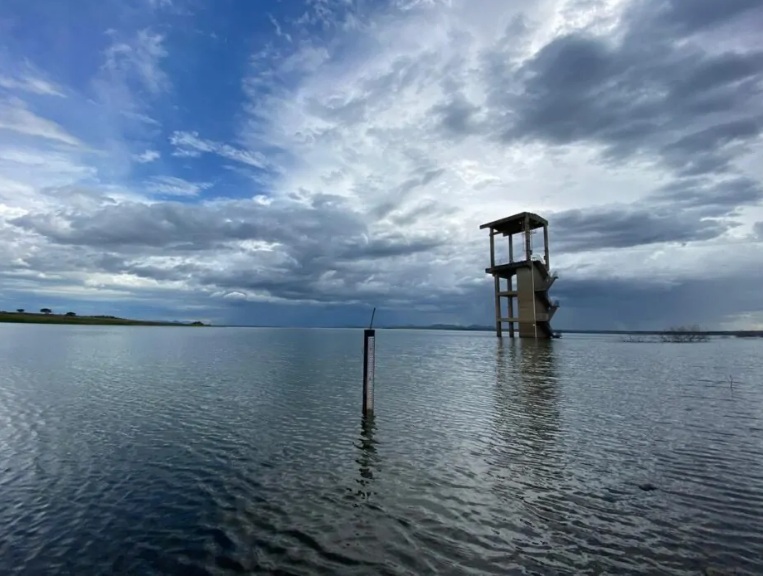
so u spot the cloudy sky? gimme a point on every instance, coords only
(297, 163)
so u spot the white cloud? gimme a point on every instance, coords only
(279, 31)
(129, 82)
(174, 186)
(30, 83)
(146, 156)
(189, 144)
(32, 169)
(137, 61)
(16, 116)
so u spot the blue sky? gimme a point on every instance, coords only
(301, 162)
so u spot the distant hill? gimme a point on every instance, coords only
(73, 319)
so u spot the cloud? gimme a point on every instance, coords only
(190, 144)
(131, 81)
(627, 124)
(16, 117)
(328, 255)
(279, 31)
(146, 156)
(383, 134)
(136, 62)
(326, 14)
(709, 197)
(691, 108)
(623, 226)
(649, 306)
(692, 17)
(26, 172)
(28, 82)
(174, 186)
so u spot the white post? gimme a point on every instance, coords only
(369, 359)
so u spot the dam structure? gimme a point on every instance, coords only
(521, 285)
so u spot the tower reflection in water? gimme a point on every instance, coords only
(526, 419)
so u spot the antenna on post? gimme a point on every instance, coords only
(369, 359)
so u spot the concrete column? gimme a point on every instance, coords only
(545, 246)
(510, 307)
(528, 239)
(496, 286)
(511, 248)
(498, 324)
(492, 248)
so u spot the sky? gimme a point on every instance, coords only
(300, 162)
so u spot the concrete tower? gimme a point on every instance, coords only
(526, 280)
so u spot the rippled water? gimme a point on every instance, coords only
(165, 450)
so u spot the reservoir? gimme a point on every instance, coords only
(242, 450)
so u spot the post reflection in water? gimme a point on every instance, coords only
(367, 459)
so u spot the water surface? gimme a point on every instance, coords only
(171, 450)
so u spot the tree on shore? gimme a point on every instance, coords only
(70, 314)
(680, 334)
(46, 311)
(688, 334)
(19, 310)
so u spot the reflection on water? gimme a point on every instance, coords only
(153, 451)
(526, 394)
(367, 458)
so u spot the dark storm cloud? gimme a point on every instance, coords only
(640, 304)
(709, 198)
(689, 16)
(707, 150)
(326, 227)
(323, 251)
(621, 227)
(658, 91)
(177, 225)
(306, 283)
(579, 88)
(392, 246)
(457, 116)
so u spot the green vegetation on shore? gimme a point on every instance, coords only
(46, 316)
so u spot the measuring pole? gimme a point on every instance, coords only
(369, 358)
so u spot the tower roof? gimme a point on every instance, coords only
(516, 223)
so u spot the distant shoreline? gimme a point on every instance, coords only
(477, 328)
(741, 333)
(63, 319)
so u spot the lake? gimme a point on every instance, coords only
(227, 450)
